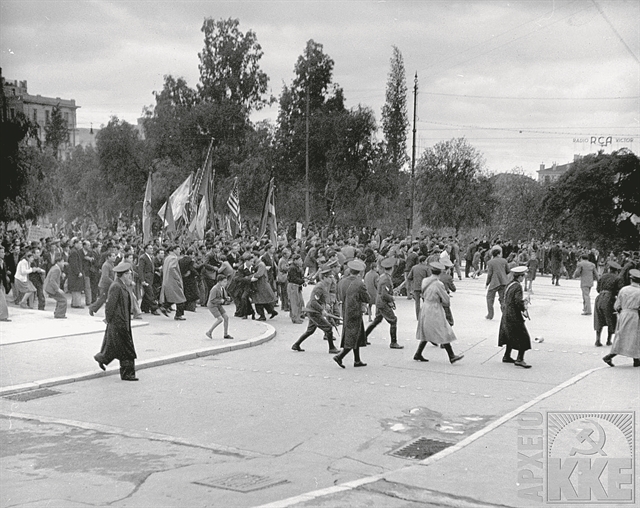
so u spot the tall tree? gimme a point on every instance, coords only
(595, 201)
(395, 120)
(56, 131)
(452, 187)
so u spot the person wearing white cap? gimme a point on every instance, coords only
(118, 340)
(627, 340)
(513, 333)
(352, 293)
(432, 324)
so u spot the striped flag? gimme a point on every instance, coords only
(269, 215)
(234, 205)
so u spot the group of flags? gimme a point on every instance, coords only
(193, 201)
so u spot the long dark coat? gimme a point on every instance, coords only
(189, 278)
(513, 333)
(118, 340)
(603, 314)
(76, 281)
(352, 293)
(263, 294)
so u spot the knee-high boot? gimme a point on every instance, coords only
(394, 337)
(418, 356)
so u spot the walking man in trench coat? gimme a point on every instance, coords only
(172, 287)
(118, 340)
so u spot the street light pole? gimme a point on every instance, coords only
(413, 153)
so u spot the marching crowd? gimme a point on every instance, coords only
(352, 271)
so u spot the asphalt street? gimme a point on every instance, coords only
(265, 424)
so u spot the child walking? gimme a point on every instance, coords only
(217, 296)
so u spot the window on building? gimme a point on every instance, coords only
(46, 117)
(35, 115)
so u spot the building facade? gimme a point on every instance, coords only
(553, 173)
(38, 109)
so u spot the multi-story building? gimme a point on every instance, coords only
(38, 109)
(551, 174)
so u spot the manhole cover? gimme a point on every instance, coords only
(241, 482)
(421, 448)
(33, 394)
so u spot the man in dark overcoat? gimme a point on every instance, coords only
(76, 280)
(352, 293)
(513, 333)
(146, 275)
(118, 340)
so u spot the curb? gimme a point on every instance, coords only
(266, 336)
(344, 487)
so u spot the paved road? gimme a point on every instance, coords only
(287, 423)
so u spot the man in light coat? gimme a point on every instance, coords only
(497, 270)
(172, 286)
(588, 273)
(52, 288)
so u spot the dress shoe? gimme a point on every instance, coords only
(180, 318)
(208, 334)
(100, 364)
(586, 313)
(359, 364)
(296, 347)
(598, 343)
(90, 312)
(456, 358)
(155, 313)
(244, 317)
(338, 361)
(261, 318)
(228, 337)
(164, 311)
(334, 351)
(60, 317)
(489, 318)
(608, 342)
(508, 359)
(273, 315)
(608, 360)
(130, 378)
(636, 362)
(297, 322)
(420, 358)
(522, 363)
(395, 345)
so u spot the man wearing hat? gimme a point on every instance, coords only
(497, 270)
(588, 273)
(385, 303)
(627, 340)
(118, 340)
(352, 293)
(54, 290)
(316, 312)
(513, 333)
(432, 324)
(604, 314)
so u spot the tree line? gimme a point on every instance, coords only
(356, 175)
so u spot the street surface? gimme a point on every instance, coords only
(263, 424)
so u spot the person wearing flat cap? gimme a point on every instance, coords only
(432, 323)
(513, 333)
(118, 340)
(353, 294)
(385, 303)
(608, 287)
(627, 340)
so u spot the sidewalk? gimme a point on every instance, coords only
(482, 470)
(37, 350)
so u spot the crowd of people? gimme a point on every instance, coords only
(352, 272)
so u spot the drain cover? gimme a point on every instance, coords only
(421, 448)
(241, 482)
(33, 394)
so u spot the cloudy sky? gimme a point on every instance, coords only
(524, 81)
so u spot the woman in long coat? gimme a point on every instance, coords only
(353, 294)
(627, 341)
(118, 340)
(513, 333)
(432, 322)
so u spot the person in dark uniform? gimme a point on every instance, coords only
(146, 276)
(385, 303)
(316, 312)
(352, 293)
(513, 333)
(118, 340)
(608, 287)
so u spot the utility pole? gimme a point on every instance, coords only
(306, 174)
(413, 152)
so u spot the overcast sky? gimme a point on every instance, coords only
(521, 80)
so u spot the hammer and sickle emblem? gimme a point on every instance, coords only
(584, 436)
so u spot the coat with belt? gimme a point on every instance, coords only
(352, 293)
(263, 293)
(76, 280)
(513, 332)
(172, 288)
(118, 340)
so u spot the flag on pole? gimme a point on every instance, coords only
(169, 222)
(146, 212)
(234, 205)
(178, 200)
(269, 215)
(201, 218)
(228, 226)
(201, 184)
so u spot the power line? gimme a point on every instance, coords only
(634, 97)
(615, 31)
